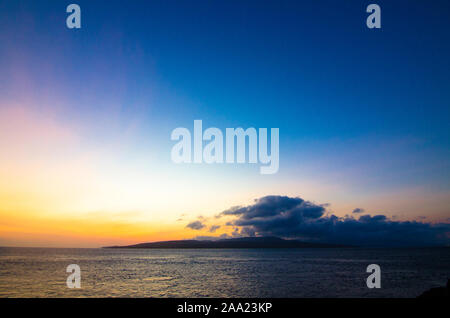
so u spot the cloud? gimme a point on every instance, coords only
(196, 225)
(213, 228)
(289, 217)
(273, 205)
(358, 210)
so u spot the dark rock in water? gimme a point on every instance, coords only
(438, 292)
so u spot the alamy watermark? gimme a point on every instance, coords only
(374, 279)
(232, 150)
(373, 21)
(74, 279)
(73, 21)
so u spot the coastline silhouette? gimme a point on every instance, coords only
(437, 292)
(244, 242)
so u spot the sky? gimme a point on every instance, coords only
(86, 117)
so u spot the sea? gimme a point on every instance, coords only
(307, 272)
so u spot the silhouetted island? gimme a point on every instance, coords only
(244, 242)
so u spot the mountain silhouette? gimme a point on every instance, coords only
(243, 242)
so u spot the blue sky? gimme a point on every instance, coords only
(363, 113)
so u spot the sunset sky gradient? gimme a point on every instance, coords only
(86, 115)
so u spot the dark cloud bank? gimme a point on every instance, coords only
(288, 217)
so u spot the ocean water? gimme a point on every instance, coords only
(41, 272)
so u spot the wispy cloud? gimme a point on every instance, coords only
(214, 228)
(196, 225)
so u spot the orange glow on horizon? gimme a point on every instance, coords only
(57, 189)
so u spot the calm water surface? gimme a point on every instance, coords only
(41, 272)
